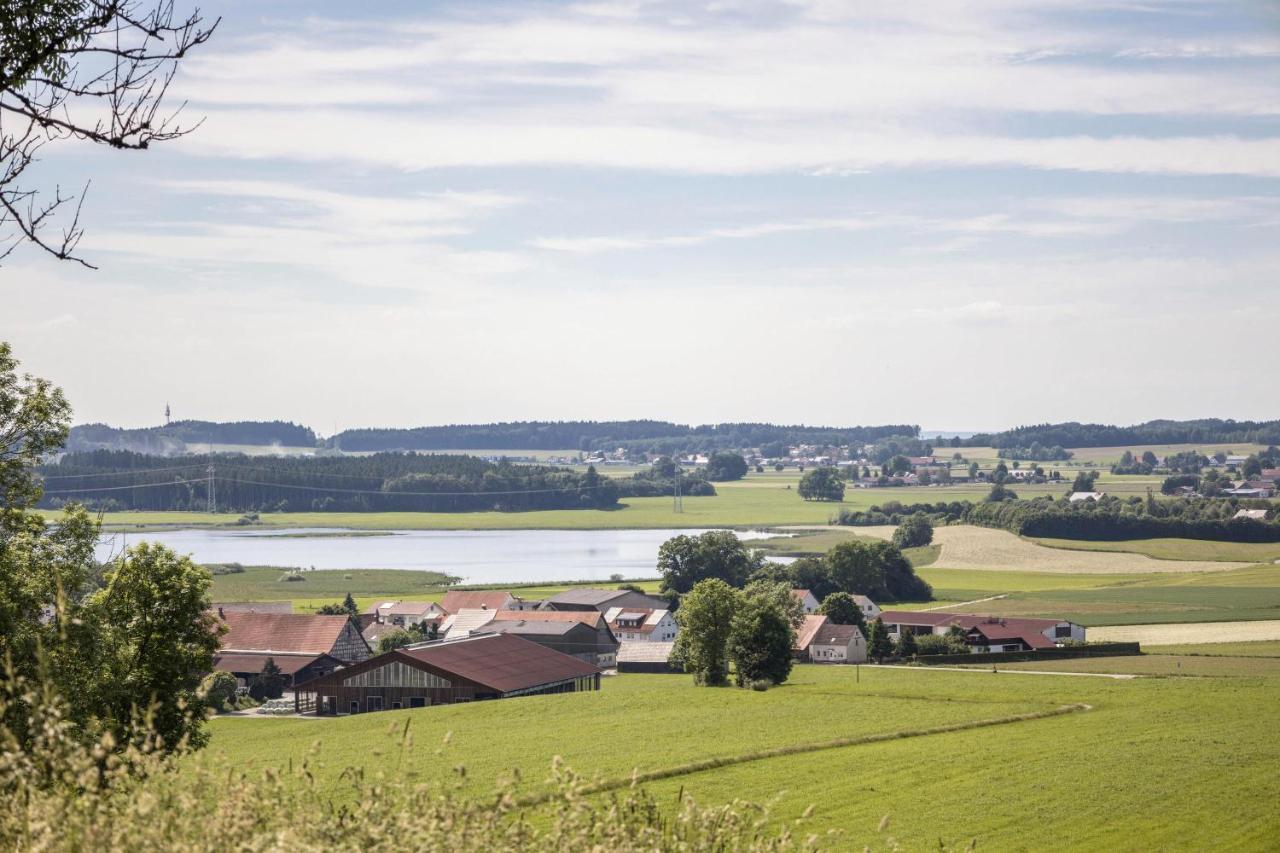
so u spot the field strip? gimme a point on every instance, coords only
(965, 603)
(1189, 632)
(1117, 675)
(637, 778)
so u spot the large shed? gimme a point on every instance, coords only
(485, 666)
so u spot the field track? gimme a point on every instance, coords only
(1190, 632)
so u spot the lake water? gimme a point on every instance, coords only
(477, 556)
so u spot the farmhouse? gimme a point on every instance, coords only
(587, 598)
(488, 666)
(301, 645)
(457, 599)
(808, 629)
(838, 644)
(1076, 497)
(1033, 633)
(870, 610)
(403, 614)
(633, 625)
(584, 634)
(807, 600)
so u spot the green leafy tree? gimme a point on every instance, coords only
(683, 561)
(1252, 467)
(899, 465)
(726, 466)
(155, 637)
(218, 689)
(1001, 472)
(1084, 481)
(842, 609)
(915, 531)
(879, 646)
(760, 640)
(779, 593)
(1149, 458)
(397, 638)
(706, 623)
(999, 493)
(906, 647)
(822, 484)
(270, 683)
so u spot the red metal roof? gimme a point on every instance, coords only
(282, 632)
(591, 618)
(503, 662)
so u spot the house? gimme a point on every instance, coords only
(807, 600)
(458, 599)
(489, 666)
(1248, 490)
(404, 614)
(303, 646)
(838, 644)
(635, 625)
(586, 598)
(253, 606)
(1235, 459)
(645, 657)
(808, 629)
(1255, 514)
(1272, 476)
(997, 636)
(1076, 497)
(1033, 631)
(922, 460)
(870, 610)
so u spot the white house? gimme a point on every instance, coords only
(870, 610)
(1255, 514)
(640, 625)
(1076, 497)
(838, 644)
(406, 613)
(807, 600)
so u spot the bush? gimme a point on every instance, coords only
(938, 644)
(760, 685)
(219, 689)
(915, 532)
(292, 577)
(225, 568)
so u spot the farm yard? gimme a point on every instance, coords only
(902, 743)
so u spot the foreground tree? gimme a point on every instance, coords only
(842, 609)
(822, 484)
(706, 622)
(94, 71)
(154, 637)
(685, 560)
(760, 641)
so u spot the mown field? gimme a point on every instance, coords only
(1152, 763)
(1176, 549)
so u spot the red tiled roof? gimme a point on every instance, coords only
(479, 599)
(254, 662)
(503, 662)
(1000, 633)
(832, 634)
(590, 618)
(282, 632)
(812, 623)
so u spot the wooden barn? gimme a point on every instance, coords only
(486, 666)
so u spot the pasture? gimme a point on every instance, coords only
(916, 745)
(1176, 549)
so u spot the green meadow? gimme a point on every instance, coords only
(945, 756)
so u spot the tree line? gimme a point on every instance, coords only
(409, 482)
(177, 436)
(1073, 434)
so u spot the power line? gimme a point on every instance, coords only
(418, 494)
(125, 473)
(120, 488)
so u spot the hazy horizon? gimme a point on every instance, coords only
(991, 214)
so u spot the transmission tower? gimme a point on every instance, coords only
(213, 500)
(677, 502)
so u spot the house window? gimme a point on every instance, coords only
(1061, 631)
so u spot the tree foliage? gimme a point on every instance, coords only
(822, 484)
(914, 532)
(879, 646)
(685, 560)
(842, 609)
(726, 466)
(760, 640)
(875, 569)
(706, 623)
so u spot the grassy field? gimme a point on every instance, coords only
(1177, 782)
(1217, 666)
(1177, 549)
(1260, 649)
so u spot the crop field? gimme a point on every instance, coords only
(1176, 549)
(1259, 648)
(1216, 666)
(904, 743)
(1197, 632)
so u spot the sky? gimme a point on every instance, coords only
(964, 215)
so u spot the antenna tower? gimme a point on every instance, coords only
(677, 501)
(213, 500)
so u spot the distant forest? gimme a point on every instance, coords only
(118, 479)
(1207, 430)
(637, 436)
(175, 437)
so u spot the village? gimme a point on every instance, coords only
(492, 644)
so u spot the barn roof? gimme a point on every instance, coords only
(832, 634)
(812, 623)
(255, 661)
(281, 632)
(503, 662)
(477, 599)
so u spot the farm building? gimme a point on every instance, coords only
(1255, 514)
(1077, 497)
(602, 599)
(807, 600)
(808, 629)
(641, 625)
(1035, 633)
(870, 610)
(645, 657)
(476, 600)
(301, 645)
(581, 633)
(838, 644)
(487, 666)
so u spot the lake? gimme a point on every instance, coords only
(477, 556)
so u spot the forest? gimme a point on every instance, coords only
(1205, 430)
(119, 479)
(175, 437)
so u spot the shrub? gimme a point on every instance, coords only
(219, 689)
(760, 685)
(292, 577)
